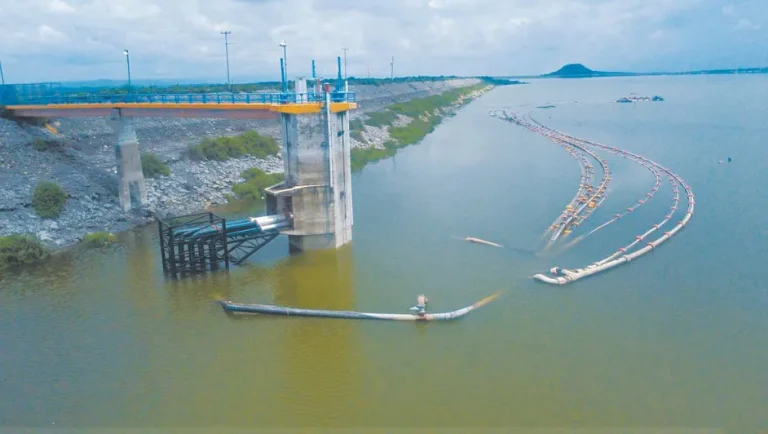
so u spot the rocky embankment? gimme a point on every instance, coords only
(80, 158)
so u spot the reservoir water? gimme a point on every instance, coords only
(99, 338)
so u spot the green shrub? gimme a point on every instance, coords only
(20, 249)
(256, 180)
(99, 239)
(356, 125)
(48, 199)
(380, 119)
(195, 152)
(42, 145)
(153, 166)
(223, 148)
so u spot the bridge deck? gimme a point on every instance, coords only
(227, 105)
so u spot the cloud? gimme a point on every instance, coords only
(178, 39)
(746, 24)
(60, 6)
(656, 35)
(47, 34)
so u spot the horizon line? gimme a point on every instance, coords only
(198, 81)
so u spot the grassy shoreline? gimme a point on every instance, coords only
(407, 123)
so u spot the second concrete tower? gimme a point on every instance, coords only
(317, 191)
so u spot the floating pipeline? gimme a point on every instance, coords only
(601, 193)
(621, 256)
(585, 183)
(481, 241)
(588, 197)
(654, 228)
(590, 204)
(638, 204)
(268, 309)
(572, 276)
(572, 214)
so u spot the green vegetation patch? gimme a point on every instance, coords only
(20, 249)
(223, 148)
(153, 166)
(256, 180)
(43, 145)
(423, 121)
(380, 119)
(359, 157)
(356, 128)
(427, 105)
(48, 199)
(356, 125)
(99, 239)
(416, 130)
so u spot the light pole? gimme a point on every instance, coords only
(226, 48)
(285, 58)
(2, 77)
(128, 62)
(345, 62)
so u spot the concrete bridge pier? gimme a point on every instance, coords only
(131, 188)
(317, 189)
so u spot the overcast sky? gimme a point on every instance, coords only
(180, 39)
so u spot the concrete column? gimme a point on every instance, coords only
(316, 157)
(131, 189)
(339, 123)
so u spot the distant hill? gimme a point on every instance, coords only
(577, 70)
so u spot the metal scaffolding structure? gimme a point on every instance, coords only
(201, 242)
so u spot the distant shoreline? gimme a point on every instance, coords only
(600, 74)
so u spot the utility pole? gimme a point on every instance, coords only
(345, 62)
(128, 61)
(285, 58)
(2, 77)
(226, 49)
(392, 69)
